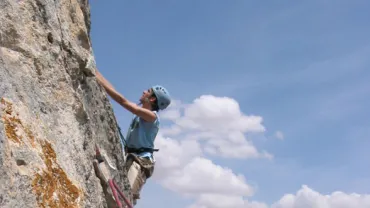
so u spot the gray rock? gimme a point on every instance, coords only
(51, 108)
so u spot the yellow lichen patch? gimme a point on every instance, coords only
(8, 106)
(53, 187)
(30, 136)
(11, 123)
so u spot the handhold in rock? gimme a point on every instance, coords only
(90, 67)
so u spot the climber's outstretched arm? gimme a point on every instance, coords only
(132, 107)
(102, 80)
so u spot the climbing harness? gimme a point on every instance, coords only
(140, 150)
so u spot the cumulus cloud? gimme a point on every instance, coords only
(304, 198)
(201, 176)
(219, 123)
(224, 201)
(218, 113)
(174, 155)
(182, 168)
(209, 125)
(216, 126)
(171, 131)
(308, 198)
(173, 111)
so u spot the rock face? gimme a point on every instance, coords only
(52, 111)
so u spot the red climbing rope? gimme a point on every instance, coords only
(115, 188)
(112, 183)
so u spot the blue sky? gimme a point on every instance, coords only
(301, 65)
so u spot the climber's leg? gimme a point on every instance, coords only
(137, 179)
(139, 169)
(133, 173)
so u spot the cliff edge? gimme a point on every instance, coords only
(52, 110)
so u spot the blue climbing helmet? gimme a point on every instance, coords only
(163, 96)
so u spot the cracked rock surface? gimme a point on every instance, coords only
(52, 110)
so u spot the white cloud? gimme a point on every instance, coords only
(171, 131)
(181, 168)
(173, 111)
(304, 198)
(205, 126)
(308, 198)
(279, 135)
(171, 114)
(173, 155)
(202, 176)
(228, 149)
(212, 125)
(218, 113)
(219, 122)
(224, 201)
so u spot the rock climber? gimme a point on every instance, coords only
(143, 128)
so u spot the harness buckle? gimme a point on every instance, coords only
(140, 150)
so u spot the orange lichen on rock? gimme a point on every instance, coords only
(11, 123)
(30, 136)
(53, 188)
(11, 128)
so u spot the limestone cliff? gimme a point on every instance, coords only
(52, 111)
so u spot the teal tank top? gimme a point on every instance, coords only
(141, 133)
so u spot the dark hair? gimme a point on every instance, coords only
(155, 103)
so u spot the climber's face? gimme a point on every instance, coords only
(146, 96)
